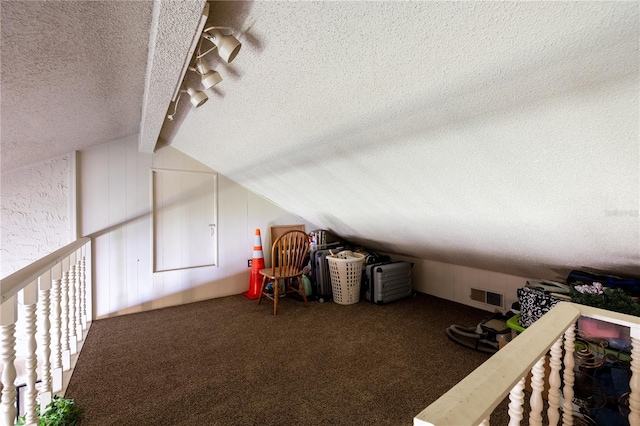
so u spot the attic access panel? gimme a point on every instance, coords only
(184, 220)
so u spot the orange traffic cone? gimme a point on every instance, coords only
(257, 263)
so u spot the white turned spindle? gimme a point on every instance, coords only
(568, 376)
(28, 297)
(83, 286)
(79, 334)
(8, 318)
(537, 384)
(73, 348)
(64, 318)
(56, 328)
(516, 401)
(44, 287)
(88, 283)
(634, 382)
(553, 412)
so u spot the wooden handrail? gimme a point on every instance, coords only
(473, 400)
(12, 284)
(53, 305)
(477, 395)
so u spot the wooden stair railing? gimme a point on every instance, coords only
(472, 401)
(50, 296)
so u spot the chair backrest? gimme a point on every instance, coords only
(289, 251)
(278, 230)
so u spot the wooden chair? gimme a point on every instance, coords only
(288, 254)
(278, 230)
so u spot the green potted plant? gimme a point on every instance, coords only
(598, 296)
(59, 412)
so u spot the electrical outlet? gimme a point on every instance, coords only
(249, 263)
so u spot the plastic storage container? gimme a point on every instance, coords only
(345, 269)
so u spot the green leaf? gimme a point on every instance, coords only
(61, 412)
(612, 299)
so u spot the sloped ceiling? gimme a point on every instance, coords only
(80, 73)
(498, 135)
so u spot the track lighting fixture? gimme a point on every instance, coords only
(228, 47)
(208, 77)
(196, 97)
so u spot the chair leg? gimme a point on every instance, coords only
(276, 287)
(302, 292)
(264, 280)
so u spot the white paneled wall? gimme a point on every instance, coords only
(115, 209)
(115, 200)
(454, 282)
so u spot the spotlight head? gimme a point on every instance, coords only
(228, 46)
(198, 98)
(209, 78)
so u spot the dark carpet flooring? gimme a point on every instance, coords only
(229, 361)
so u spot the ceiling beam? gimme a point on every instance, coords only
(173, 30)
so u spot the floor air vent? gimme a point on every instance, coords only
(488, 297)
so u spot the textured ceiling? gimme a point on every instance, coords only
(499, 135)
(80, 73)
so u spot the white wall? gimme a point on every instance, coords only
(114, 194)
(454, 282)
(35, 217)
(114, 191)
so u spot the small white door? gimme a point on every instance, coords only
(184, 219)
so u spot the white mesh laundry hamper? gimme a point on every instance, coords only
(345, 269)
